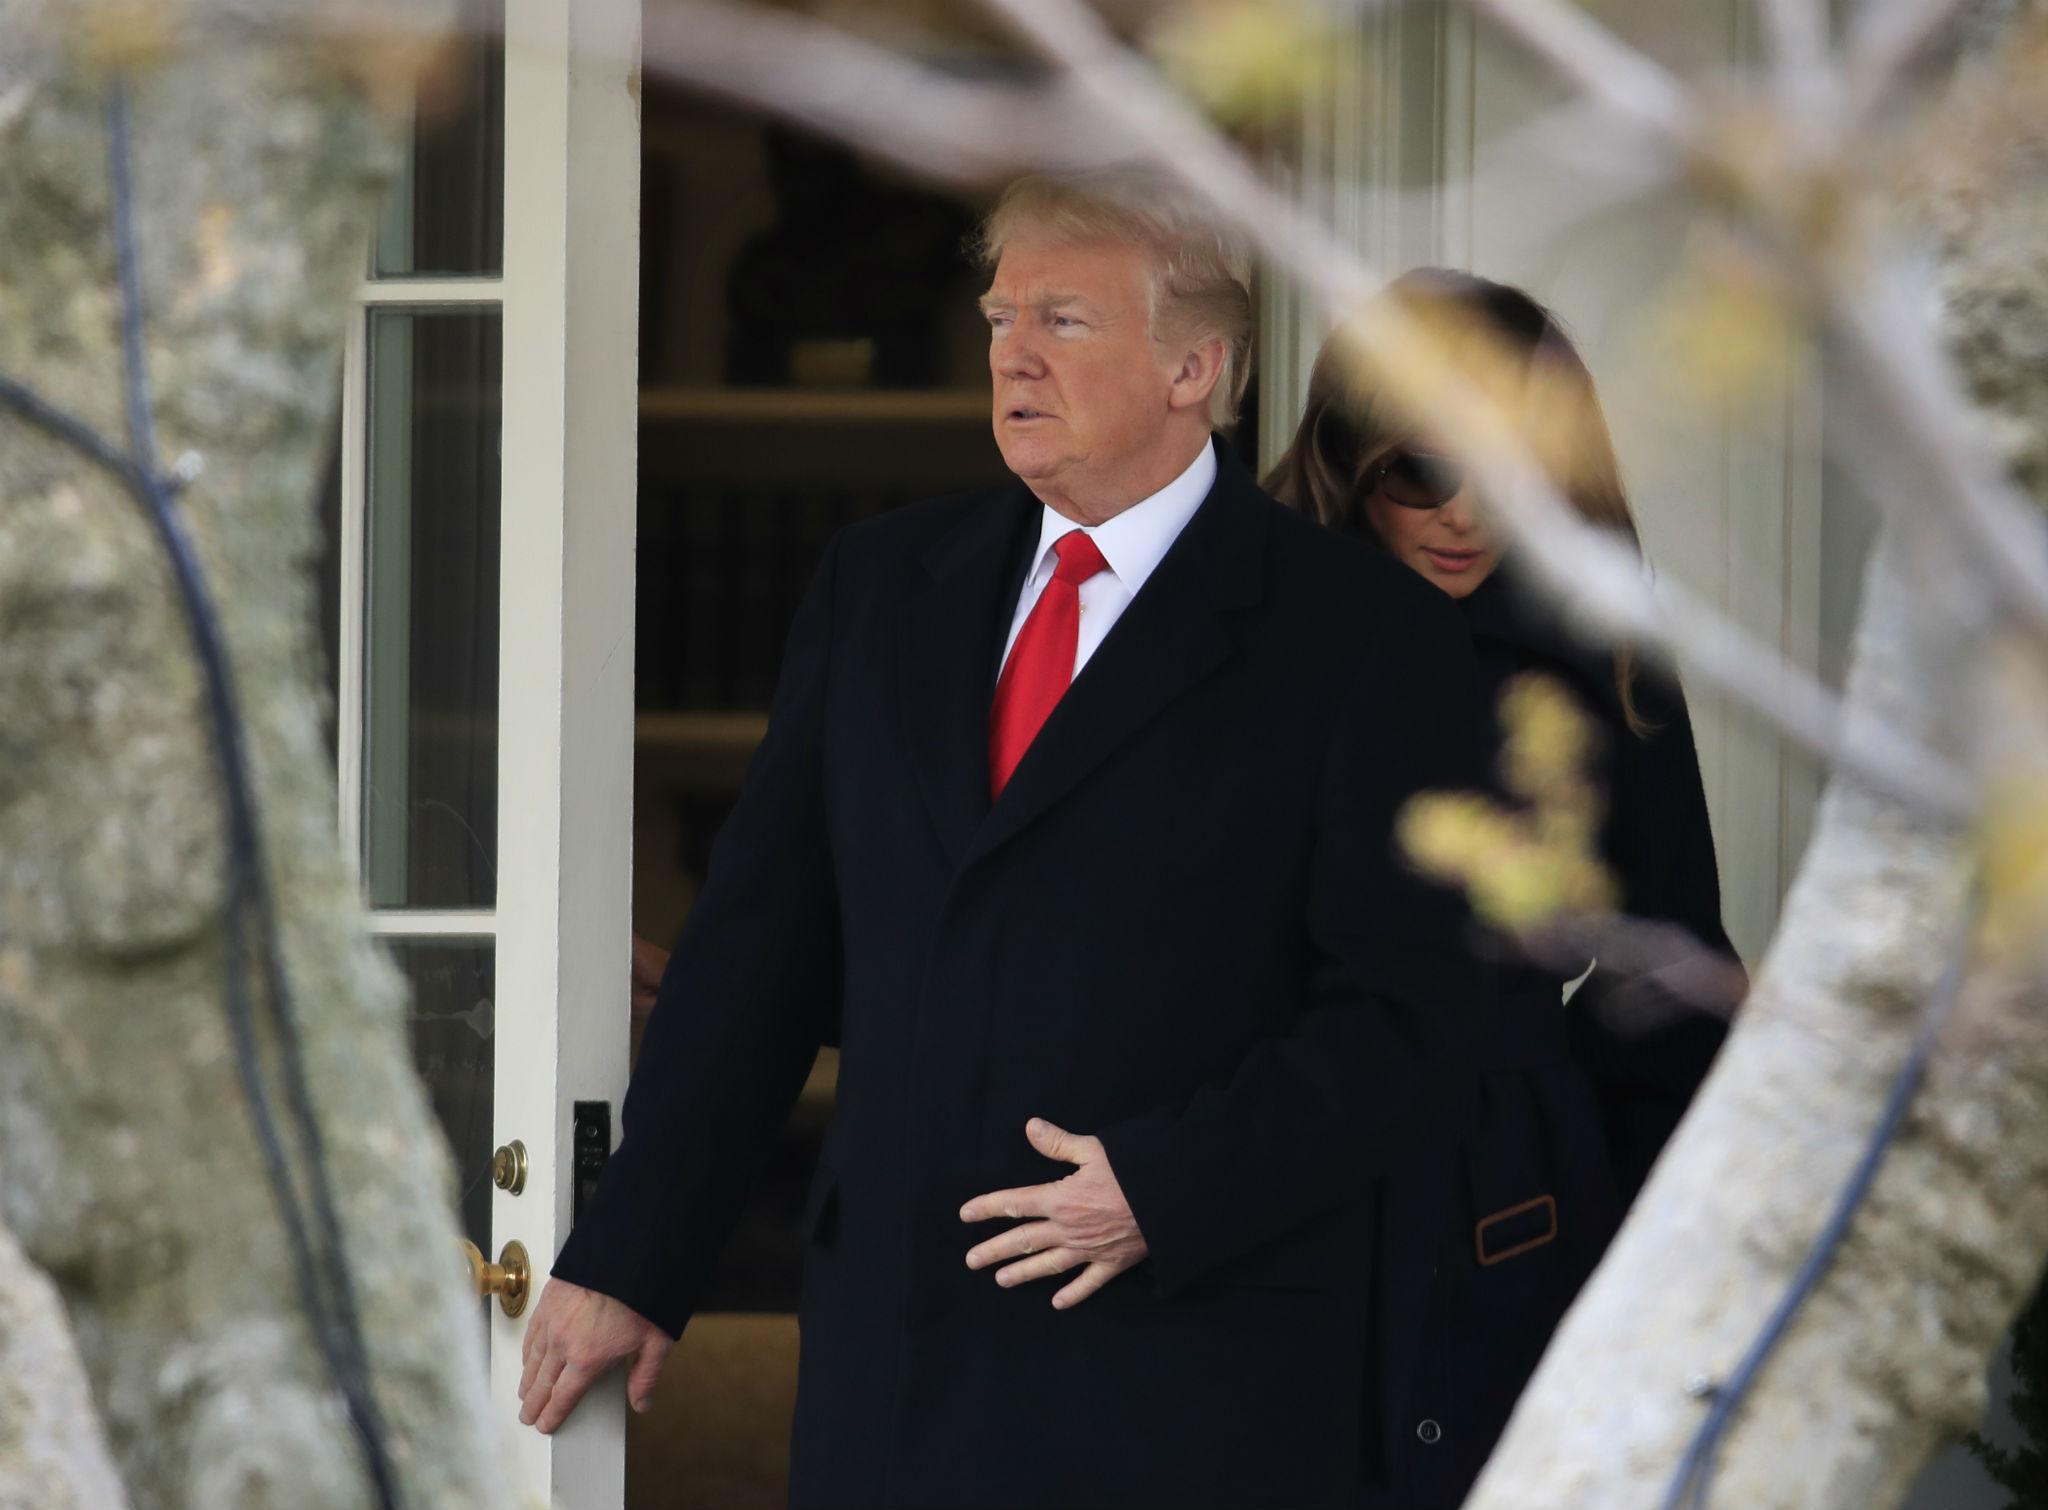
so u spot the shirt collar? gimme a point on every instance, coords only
(1134, 542)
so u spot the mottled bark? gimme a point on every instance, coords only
(131, 1174)
(1885, 1365)
(52, 1455)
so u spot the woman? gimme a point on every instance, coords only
(1577, 1099)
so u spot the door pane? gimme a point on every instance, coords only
(454, 1019)
(445, 213)
(430, 697)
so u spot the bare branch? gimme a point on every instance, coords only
(1894, 358)
(1887, 38)
(1662, 968)
(1126, 92)
(1798, 34)
(1598, 63)
(1598, 580)
(1599, 584)
(1554, 173)
(962, 129)
(937, 123)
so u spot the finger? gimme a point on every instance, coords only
(1056, 1142)
(1039, 1266)
(649, 961)
(535, 1400)
(569, 1389)
(1029, 1200)
(646, 1373)
(533, 1348)
(1091, 1279)
(1033, 1237)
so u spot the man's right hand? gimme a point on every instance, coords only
(576, 1335)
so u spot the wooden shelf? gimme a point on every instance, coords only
(700, 731)
(697, 751)
(815, 406)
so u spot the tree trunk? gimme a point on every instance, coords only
(1885, 1364)
(52, 1456)
(132, 1176)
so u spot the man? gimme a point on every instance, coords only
(1072, 827)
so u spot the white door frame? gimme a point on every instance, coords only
(560, 929)
(565, 739)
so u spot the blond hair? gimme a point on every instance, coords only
(1199, 288)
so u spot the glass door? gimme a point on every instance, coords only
(483, 612)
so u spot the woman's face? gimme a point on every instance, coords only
(1452, 545)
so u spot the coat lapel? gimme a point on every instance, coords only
(1172, 635)
(950, 634)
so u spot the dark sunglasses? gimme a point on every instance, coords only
(1415, 479)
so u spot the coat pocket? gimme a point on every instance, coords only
(1514, 1230)
(1511, 1171)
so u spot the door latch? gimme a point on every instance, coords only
(591, 1147)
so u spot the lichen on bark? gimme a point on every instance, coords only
(53, 1455)
(132, 1176)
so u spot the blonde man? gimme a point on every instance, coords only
(1072, 828)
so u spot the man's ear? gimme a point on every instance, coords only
(1196, 379)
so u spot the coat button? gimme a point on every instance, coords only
(1429, 1431)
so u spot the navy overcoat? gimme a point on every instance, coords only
(1575, 1099)
(1182, 928)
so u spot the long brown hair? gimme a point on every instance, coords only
(1500, 337)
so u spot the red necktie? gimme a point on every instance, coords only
(1042, 661)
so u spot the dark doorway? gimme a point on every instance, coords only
(810, 355)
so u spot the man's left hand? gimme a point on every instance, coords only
(649, 961)
(1083, 1222)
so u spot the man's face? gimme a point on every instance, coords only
(1081, 390)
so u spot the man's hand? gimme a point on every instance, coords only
(1082, 1220)
(649, 960)
(574, 1337)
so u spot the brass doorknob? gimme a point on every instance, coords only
(508, 1167)
(508, 1279)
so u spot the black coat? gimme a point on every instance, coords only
(1181, 929)
(1576, 1100)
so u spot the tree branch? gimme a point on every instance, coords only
(53, 1454)
(1894, 358)
(972, 130)
(1598, 63)
(1598, 580)
(1797, 31)
(1663, 967)
(1886, 39)
(954, 127)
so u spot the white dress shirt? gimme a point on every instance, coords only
(1132, 543)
